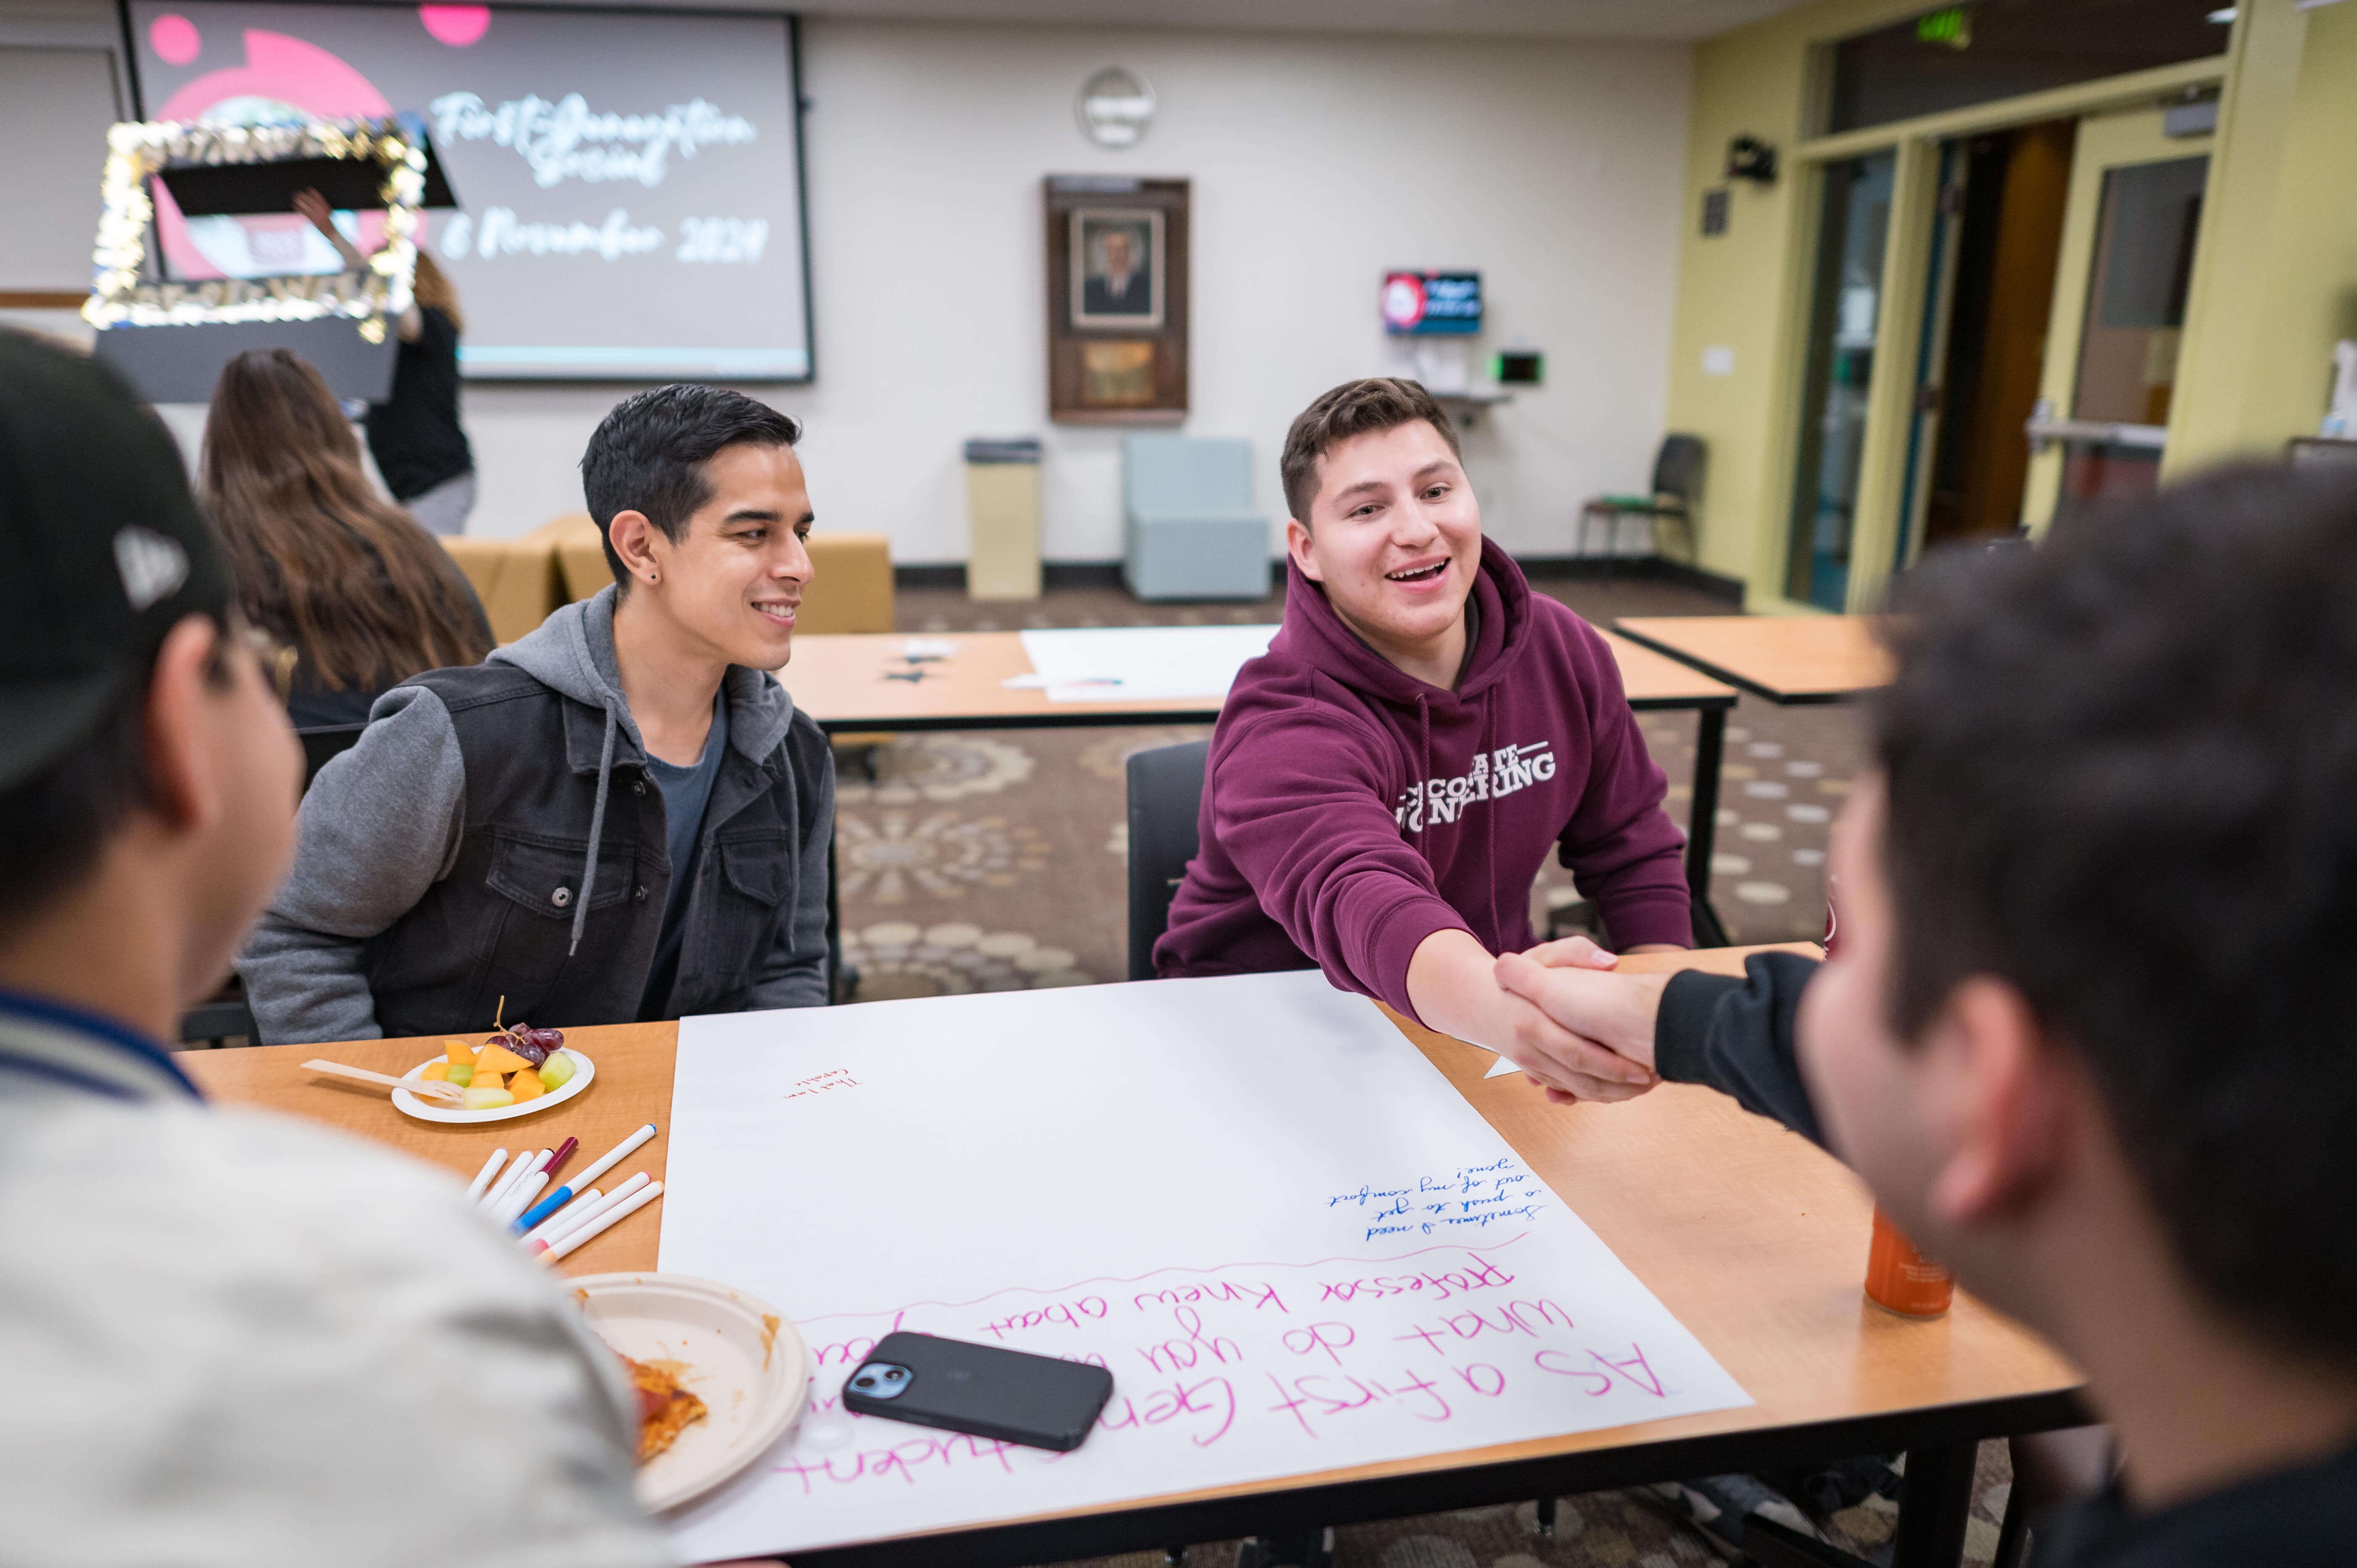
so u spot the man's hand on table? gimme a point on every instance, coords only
(1571, 982)
(1453, 983)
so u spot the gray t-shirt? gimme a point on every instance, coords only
(685, 792)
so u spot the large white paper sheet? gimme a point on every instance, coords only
(1142, 663)
(1293, 1243)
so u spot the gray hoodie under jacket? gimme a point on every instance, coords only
(445, 859)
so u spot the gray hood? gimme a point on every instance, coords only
(573, 652)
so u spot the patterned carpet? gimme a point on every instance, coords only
(994, 860)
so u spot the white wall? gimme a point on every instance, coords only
(1554, 168)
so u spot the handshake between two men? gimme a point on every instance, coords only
(1588, 1034)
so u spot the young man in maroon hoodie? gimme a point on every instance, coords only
(1384, 784)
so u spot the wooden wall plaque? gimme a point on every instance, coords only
(1117, 299)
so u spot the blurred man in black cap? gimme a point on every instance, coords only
(224, 1336)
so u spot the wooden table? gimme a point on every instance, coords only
(862, 682)
(1789, 660)
(1751, 1236)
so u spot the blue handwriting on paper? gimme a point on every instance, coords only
(1474, 1197)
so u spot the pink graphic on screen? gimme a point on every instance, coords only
(283, 78)
(174, 39)
(456, 25)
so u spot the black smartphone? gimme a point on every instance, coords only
(1037, 1401)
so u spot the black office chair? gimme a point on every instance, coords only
(1677, 484)
(225, 1017)
(1165, 791)
(324, 742)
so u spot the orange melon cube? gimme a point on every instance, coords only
(439, 1071)
(459, 1052)
(498, 1058)
(526, 1085)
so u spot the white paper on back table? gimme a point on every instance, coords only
(1294, 1244)
(1141, 663)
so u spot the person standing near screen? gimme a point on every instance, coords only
(415, 434)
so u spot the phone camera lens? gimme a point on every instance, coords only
(894, 1374)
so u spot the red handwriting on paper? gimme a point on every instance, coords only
(901, 1461)
(1475, 1274)
(819, 1083)
(1326, 1338)
(1212, 1397)
(851, 1351)
(1483, 1378)
(1063, 1314)
(1321, 1396)
(1524, 1317)
(1254, 1296)
(1601, 1371)
(1180, 1354)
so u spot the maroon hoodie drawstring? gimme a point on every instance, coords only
(1423, 780)
(1490, 819)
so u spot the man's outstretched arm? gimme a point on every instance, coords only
(1691, 1027)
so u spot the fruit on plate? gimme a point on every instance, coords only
(517, 1064)
(530, 1044)
(496, 1057)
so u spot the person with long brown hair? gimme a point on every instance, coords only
(420, 447)
(327, 566)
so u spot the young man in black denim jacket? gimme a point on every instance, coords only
(621, 816)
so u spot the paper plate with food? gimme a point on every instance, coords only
(719, 1374)
(520, 1069)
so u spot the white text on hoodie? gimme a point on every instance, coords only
(1495, 774)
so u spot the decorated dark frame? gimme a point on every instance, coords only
(1109, 374)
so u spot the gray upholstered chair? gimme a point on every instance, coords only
(1189, 527)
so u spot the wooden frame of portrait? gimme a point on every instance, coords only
(1107, 366)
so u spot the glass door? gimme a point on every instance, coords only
(1844, 308)
(2102, 421)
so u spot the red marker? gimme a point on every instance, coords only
(564, 1152)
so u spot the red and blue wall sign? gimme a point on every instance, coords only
(1417, 302)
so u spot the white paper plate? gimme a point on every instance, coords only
(408, 1104)
(740, 1357)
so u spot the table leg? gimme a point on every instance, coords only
(1934, 1505)
(833, 930)
(1702, 823)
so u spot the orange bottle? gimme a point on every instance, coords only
(1898, 1278)
(1901, 1280)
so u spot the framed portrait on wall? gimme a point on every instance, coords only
(1116, 269)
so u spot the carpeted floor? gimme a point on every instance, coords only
(994, 860)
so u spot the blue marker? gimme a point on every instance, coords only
(563, 1195)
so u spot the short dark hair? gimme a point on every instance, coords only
(648, 455)
(2122, 775)
(1365, 407)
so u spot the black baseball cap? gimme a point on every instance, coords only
(102, 549)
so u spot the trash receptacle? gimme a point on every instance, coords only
(1002, 500)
